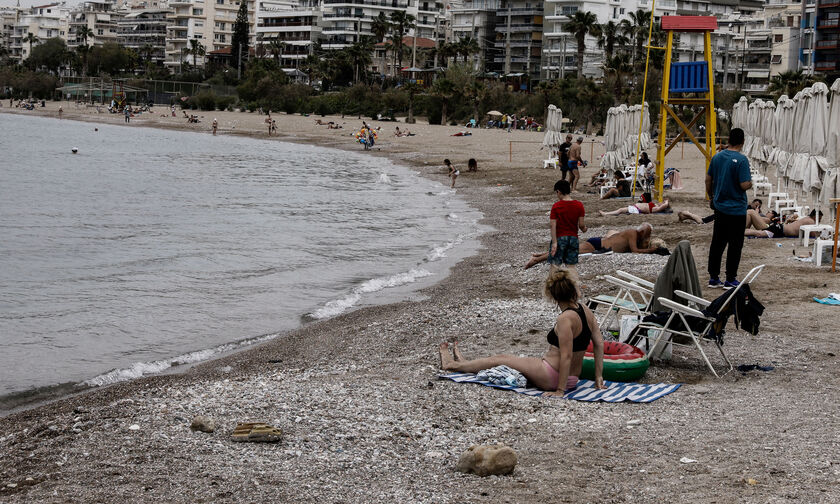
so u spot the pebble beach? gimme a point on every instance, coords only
(365, 418)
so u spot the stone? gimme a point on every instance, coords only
(487, 460)
(203, 424)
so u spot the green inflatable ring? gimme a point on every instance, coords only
(622, 362)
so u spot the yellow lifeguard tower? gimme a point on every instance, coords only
(688, 83)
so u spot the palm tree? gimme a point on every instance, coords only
(31, 38)
(789, 83)
(402, 23)
(185, 51)
(448, 50)
(197, 50)
(380, 26)
(467, 47)
(475, 91)
(611, 36)
(412, 88)
(276, 47)
(83, 33)
(619, 67)
(580, 25)
(360, 56)
(443, 89)
(637, 28)
(309, 66)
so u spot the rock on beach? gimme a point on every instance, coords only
(488, 460)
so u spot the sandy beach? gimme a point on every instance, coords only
(365, 418)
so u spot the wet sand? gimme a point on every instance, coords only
(365, 418)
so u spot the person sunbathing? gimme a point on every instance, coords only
(621, 189)
(788, 230)
(645, 207)
(632, 240)
(558, 369)
(754, 218)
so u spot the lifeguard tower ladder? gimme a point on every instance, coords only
(679, 81)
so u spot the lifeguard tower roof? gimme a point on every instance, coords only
(689, 23)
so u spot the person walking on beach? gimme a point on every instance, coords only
(453, 172)
(565, 219)
(564, 156)
(574, 162)
(727, 182)
(60, 111)
(215, 126)
(127, 112)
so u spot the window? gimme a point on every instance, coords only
(198, 36)
(99, 31)
(790, 20)
(199, 24)
(778, 38)
(615, 12)
(198, 12)
(621, 10)
(776, 59)
(220, 2)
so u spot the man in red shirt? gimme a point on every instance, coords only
(566, 218)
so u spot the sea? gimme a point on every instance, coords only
(149, 250)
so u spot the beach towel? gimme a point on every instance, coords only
(503, 375)
(832, 299)
(585, 390)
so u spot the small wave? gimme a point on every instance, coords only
(384, 179)
(139, 369)
(338, 306)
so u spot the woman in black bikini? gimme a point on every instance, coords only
(560, 366)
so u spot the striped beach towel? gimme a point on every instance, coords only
(585, 390)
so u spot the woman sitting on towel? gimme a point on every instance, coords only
(558, 369)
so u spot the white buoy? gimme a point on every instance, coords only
(74, 150)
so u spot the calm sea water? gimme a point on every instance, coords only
(153, 248)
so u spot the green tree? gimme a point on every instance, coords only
(789, 83)
(51, 55)
(109, 58)
(413, 89)
(197, 50)
(443, 89)
(380, 26)
(402, 23)
(31, 39)
(475, 91)
(611, 36)
(467, 47)
(637, 28)
(310, 66)
(580, 25)
(359, 54)
(276, 47)
(239, 42)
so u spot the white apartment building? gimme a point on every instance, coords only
(141, 29)
(346, 21)
(208, 21)
(560, 47)
(296, 23)
(99, 16)
(43, 21)
(8, 20)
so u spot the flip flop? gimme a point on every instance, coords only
(256, 432)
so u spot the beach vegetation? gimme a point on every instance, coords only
(50, 55)
(239, 41)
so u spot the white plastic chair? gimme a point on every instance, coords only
(775, 195)
(678, 316)
(551, 162)
(819, 246)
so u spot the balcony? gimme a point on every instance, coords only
(825, 66)
(523, 11)
(827, 24)
(827, 44)
(394, 4)
(519, 28)
(829, 3)
(755, 88)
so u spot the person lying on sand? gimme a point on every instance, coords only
(633, 240)
(754, 219)
(790, 230)
(558, 369)
(648, 207)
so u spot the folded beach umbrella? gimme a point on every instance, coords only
(832, 151)
(553, 124)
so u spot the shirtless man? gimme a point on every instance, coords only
(790, 230)
(633, 240)
(754, 218)
(574, 161)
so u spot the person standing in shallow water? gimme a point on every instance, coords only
(727, 182)
(215, 126)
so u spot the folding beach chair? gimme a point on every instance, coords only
(632, 297)
(697, 328)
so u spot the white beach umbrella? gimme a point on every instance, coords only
(832, 151)
(553, 123)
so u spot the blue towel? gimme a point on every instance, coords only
(828, 301)
(585, 390)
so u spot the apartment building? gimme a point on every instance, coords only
(8, 19)
(826, 45)
(208, 21)
(475, 19)
(346, 21)
(784, 18)
(99, 16)
(44, 22)
(144, 30)
(519, 39)
(296, 23)
(559, 54)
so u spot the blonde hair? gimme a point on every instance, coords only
(560, 286)
(657, 242)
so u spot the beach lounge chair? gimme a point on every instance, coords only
(696, 330)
